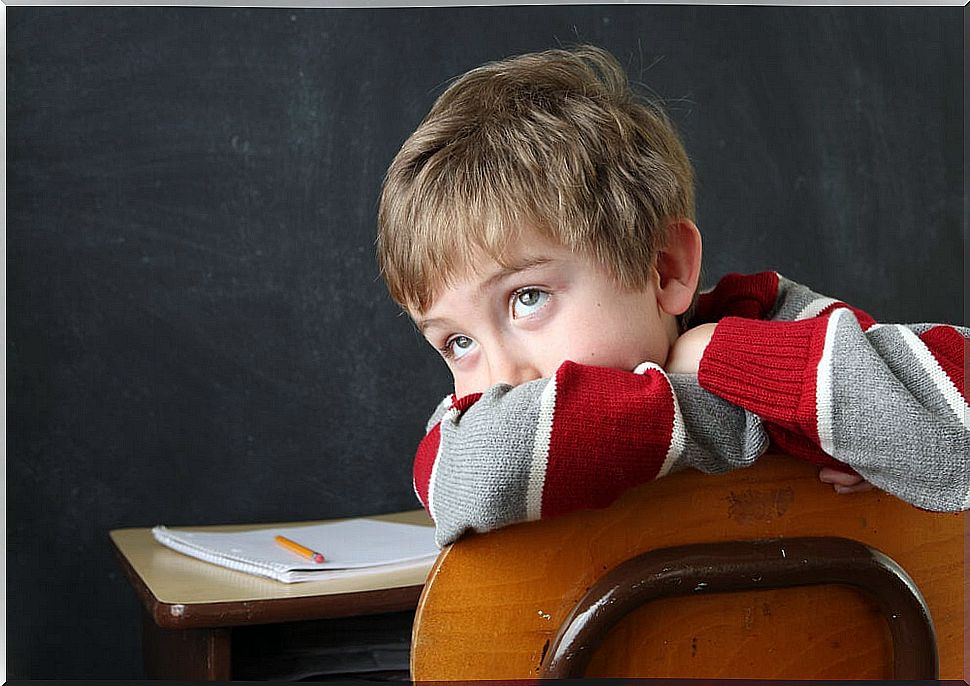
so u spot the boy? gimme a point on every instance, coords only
(538, 227)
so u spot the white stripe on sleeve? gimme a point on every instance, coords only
(678, 434)
(939, 377)
(540, 452)
(823, 386)
(449, 416)
(814, 308)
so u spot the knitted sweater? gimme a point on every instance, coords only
(817, 378)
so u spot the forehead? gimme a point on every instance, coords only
(481, 269)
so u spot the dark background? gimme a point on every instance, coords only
(196, 329)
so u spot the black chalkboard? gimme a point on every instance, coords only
(196, 329)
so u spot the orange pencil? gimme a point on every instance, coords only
(299, 549)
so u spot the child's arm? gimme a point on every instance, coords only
(578, 440)
(826, 387)
(835, 388)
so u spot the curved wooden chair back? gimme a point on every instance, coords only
(759, 573)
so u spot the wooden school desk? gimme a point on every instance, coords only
(192, 608)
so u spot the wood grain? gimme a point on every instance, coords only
(493, 603)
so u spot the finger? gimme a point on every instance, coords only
(834, 476)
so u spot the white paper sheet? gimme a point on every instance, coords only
(352, 546)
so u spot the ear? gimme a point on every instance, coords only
(679, 267)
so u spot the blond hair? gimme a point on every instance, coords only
(556, 141)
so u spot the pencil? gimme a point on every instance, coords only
(299, 549)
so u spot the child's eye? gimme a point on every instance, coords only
(528, 301)
(457, 347)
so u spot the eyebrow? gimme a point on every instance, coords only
(503, 273)
(513, 269)
(424, 324)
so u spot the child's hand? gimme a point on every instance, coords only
(843, 483)
(686, 352)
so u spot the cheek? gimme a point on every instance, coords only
(463, 387)
(582, 344)
(468, 382)
(618, 344)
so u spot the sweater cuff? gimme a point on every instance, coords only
(766, 367)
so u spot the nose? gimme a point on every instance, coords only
(511, 366)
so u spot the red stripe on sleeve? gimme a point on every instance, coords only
(464, 402)
(751, 296)
(767, 367)
(800, 446)
(424, 463)
(949, 348)
(611, 431)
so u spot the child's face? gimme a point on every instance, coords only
(518, 324)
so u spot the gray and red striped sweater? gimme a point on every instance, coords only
(813, 376)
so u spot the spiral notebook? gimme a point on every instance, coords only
(351, 547)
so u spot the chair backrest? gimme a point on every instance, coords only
(760, 573)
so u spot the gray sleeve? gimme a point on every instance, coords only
(884, 399)
(889, 411)
(485, 474)
(721, 436)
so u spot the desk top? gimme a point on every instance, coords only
(179, 591)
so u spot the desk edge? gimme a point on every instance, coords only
(267, 611)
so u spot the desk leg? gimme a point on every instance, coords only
(185, 654)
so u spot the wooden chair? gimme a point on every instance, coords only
(760, 573)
